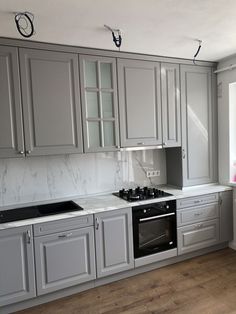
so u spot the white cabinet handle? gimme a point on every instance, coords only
(28, 236)
(197, 214)
(28, 152)
(199, 226)
(21, 152)
(96, 223)
(65, 235)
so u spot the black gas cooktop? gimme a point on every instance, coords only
(38, 211)
(141, 193)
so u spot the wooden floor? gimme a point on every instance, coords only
(205, 284)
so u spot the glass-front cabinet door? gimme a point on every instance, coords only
(99, 103)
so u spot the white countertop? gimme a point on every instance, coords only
(108, 202)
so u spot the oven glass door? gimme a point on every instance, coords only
(155, 234)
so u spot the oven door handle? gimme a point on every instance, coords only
(156, 217)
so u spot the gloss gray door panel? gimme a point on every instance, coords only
(64, 259)
(114, 242)
(197, 139)
(198, 236)
(139, 102)
(226, 216)
(11, 128)
(17, 280)
(170, 91)
(51, 102)
(99, 103)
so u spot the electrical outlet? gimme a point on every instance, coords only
(153, 173)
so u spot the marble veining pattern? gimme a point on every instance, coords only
(35, 179)
(109, 202)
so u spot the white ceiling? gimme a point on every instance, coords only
(162, 27)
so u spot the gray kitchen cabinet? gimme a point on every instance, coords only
(64, 259)
(114, 243)
(99, 103)
(197, 125)
(226, 216)
(51, 102)
(170, 92)
(198, 222)
(11, 128)
(139, 102)
(197, 236)
(17, 280)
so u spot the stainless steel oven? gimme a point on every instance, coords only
(154, 228)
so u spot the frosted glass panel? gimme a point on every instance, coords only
(92, 104)
(109, 136)
(94, 134)
(107, 105)
(90, 74)
(106, 74)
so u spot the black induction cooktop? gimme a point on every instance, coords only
(38, 211)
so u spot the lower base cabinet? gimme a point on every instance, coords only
(114, 242)
(17, 279)
(226, 216)
(198, 236)
(64, 259)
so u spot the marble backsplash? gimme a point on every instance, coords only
(51, 177)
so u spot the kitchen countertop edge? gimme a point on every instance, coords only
(108, 202)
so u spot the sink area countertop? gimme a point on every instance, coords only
(108, 202)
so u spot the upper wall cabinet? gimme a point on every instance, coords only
(99, 103)
(170, 91)
(11, 129)
(197, 125)
(51, 102)
(139, 102)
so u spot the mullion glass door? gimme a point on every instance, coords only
(99, 103)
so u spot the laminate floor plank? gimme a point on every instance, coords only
(202, 285)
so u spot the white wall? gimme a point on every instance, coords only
(43, 178)
(223, 81)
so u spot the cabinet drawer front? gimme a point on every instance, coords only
(62, 225)
(198, 200)
(64, 259)
(199, 213)
(197, 236)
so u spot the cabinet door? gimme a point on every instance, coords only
(198, 236)
(170, 91)
(197, 135)
(51, 103)
(99, 103)
(114, 242)
(11, 129)
(17, 281)
(139, 102)
(64, 259)
(226, 216)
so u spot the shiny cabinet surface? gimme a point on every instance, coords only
(17, 277)
(99, 103)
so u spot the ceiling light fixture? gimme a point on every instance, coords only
(24, 23)
(116, 35)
